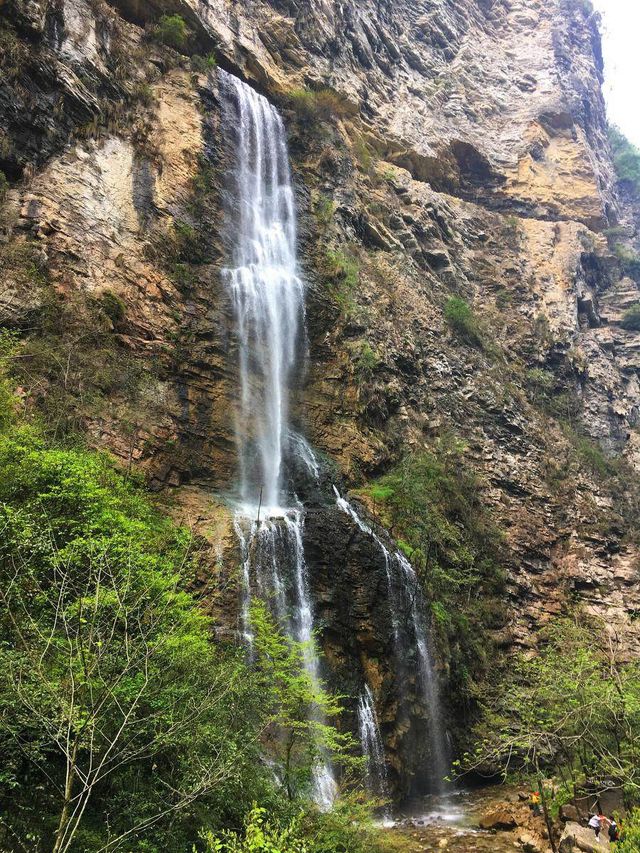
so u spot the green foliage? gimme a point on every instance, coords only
(203, 64)
(315, 108)
(113, 307)
(366, 362)
(172, 31)
(574, 709)
(626, 159)
(463, 321)
(347, 828)
(631, 318)
(324, 210)
(432, 504)
(363, 155)
(259, 836)
(143, 93)
(630, 840)
(342, 272)
(23, 263)
(4, 186)
(109, 679)
(297, 707)
(629, 260)
(188, 245)
(70, 360)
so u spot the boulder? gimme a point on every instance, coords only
(499, 818)
(576, 837)
(569, 812)
(531, 844)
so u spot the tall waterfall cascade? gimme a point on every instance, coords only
(266, 295)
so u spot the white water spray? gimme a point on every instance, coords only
(266, 291)
(371, 742)
(267, 299)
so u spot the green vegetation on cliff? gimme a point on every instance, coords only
(573, 711)
(432, 504)
(626, 159)
(125, 723)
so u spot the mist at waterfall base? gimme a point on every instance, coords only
(267, 305)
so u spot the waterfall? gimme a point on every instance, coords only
(405, 598)
(371, 742)
(267, 299)
(266, 292)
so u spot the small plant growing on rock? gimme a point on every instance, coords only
(203, 64)
(324, 210)
(631, 318)
(367, 361)
(172, 31)
(113, 307)
(629, 260)
(314, 108)
(343, 274)
(460, 317)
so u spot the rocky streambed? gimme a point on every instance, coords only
(488, 820)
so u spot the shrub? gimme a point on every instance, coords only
(629, 260)
(259, 835)
(343, 274)
(202, 64)
(324, 210)
(367, 361)
(631, 318)
(626, 159)
(630, 840)
(319, 107)
(171, 30)
(463, 321)
(189, 246)
(113, 307)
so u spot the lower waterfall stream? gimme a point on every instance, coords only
(405, 597)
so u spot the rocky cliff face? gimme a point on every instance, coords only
(451, 149)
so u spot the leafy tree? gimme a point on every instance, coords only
(573, 709)
(107, 670)
(296, 733)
